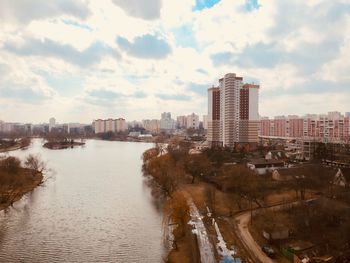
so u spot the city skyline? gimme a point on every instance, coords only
(76, 60)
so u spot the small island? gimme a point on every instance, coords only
(58, 140)
(65, 144)
(17, 179)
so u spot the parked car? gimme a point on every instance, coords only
(268, 251)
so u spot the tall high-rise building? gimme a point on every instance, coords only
(249, 113)
(213, 134)
(230, 86)
(233, 112)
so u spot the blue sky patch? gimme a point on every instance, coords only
(202, 4)
(252, 5)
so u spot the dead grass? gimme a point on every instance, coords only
(14, 186)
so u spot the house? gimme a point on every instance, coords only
(342, 178)
(276, 233)
(303, 171)
(276, 155)
(299, 251)
(304, 252)
(262, 166)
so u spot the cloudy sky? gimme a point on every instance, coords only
(78, 60)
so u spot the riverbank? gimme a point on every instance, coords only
(11, 191)
(220, 197)
(7, 146)
(198, 215)
(214, 216)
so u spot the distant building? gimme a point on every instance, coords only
(181, 122)
(109, 125)
(205, 122)
(331, 127)
(166, 122)
(152, 126)
(7, 127)
(135, 124)
(52, 123)
(192, 121)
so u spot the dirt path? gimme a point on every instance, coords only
(204, 245)
(241, 228)
(254, 250)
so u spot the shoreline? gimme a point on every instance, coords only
(19, 192)
(62, 145)
(13, 148)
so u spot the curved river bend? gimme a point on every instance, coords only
(94, 208)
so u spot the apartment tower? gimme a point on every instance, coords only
(230, 86)
(213, 135)
(249, 114)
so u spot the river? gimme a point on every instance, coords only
(94, 207)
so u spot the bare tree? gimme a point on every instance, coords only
(198, 165)
(35, 163)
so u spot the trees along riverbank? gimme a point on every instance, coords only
(217, 190)
(17, 179)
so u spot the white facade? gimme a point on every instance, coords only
(52, 123)
(205, 122)
(166, 122)
(254, 104)
(192, 121)
(230, 87)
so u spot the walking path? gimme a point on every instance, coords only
(205, 247)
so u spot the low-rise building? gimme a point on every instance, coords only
(263, 166)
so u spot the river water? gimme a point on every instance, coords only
(94, 207)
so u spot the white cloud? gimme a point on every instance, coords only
(47, 48)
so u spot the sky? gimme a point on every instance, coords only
(78, 60)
